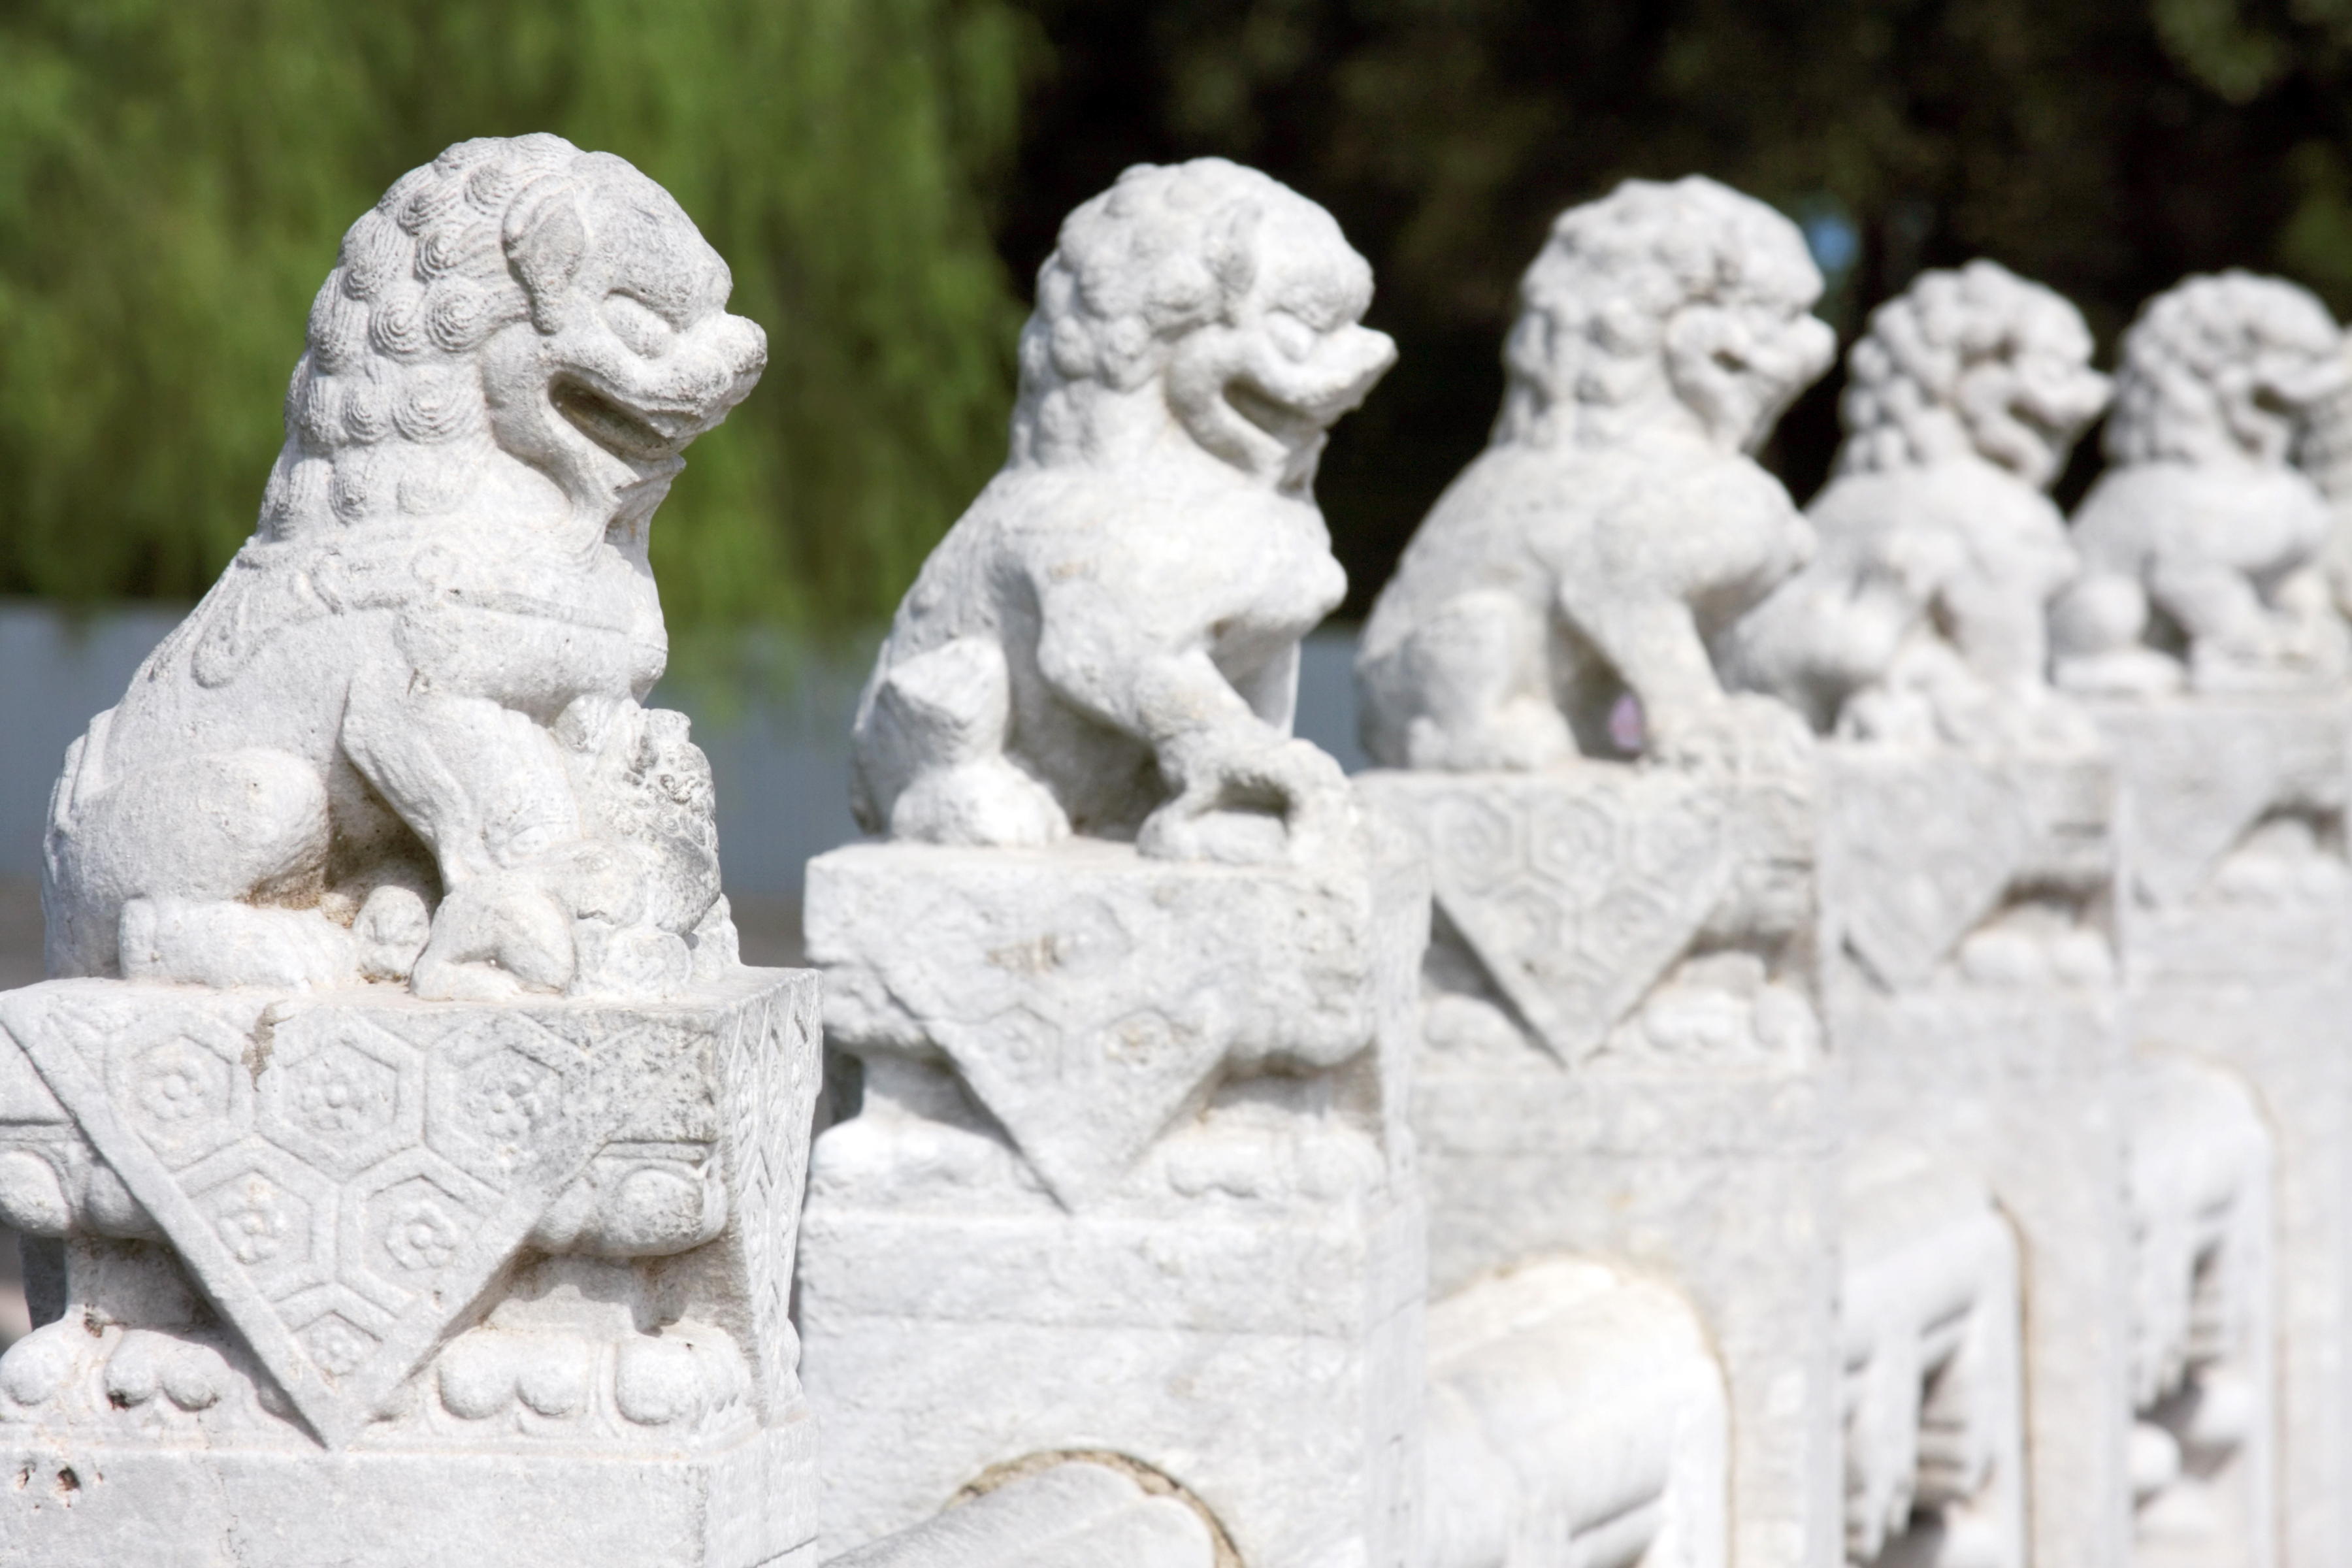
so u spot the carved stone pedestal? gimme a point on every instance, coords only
(1621, 1060)
(1127, 1176)
(351, 1278)
(2236, 928)
(1972, 999)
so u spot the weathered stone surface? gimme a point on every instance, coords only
(356, 1274)
(1131, 994)
(413, 1166)
(1199, 1244)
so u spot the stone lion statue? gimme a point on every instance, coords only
(401, 736)
(2198, 541)
(1922, 617)
(1564, 593)
(1107, 643)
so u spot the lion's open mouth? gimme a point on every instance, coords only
(619, 431)
(1281, 420)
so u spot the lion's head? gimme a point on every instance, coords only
(1974, 360)
(1207, 292)
(2223, 368)
(518, 298)
(1686, 295)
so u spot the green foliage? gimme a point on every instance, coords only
(175, 176)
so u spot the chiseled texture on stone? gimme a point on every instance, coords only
(2201, 532)
(1127, 1176)
(1130, 991)
(361, 1278)
(1921, 619)
(1562, 595)
(402, 736)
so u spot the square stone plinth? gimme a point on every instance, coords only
(351, 1278)
(1621, 1060)
(1129, 1177)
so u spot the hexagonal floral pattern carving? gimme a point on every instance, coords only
(273, 1215)
(339, 1094)
(183, 1089)
(501, 1098)
(1576, 890)
(407, 1222)
(342, 1176)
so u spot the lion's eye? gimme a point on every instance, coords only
(1293, 337)
(646, 333)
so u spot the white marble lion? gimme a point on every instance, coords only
(401, 736)
(1922, 618)
(1565, 592)
(1107, 643)
(2198, 543)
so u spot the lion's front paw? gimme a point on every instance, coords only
(986, 800)
(1249, 801)
(494, 938)
(1525, 735)
(1742, 734)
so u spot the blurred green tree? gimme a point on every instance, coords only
(175, 178)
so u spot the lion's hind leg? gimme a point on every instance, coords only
(935, 745)
(196, 871)
(1475, 673)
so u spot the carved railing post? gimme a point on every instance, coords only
(1621, 1057)
(418, 1167)
(1130, 989)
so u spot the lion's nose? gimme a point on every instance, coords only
(721, 367)
(1350, 364)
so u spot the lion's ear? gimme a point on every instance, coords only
(1232, 251)
(546, 240)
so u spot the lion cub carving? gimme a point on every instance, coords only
(1616, 526)
(2200, 541)
(1107, 643)
(402, 735)
(1922, 618)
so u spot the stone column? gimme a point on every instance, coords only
(1127, 1176)
(2204, 630)
(1128, 989)
(1621, 1059)
(1972, 995)
(354, 1277)
(2237, 953)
